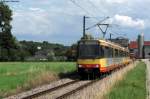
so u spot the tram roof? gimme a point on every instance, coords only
(109, 44)
(112, 44)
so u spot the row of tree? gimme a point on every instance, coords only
(42, 51)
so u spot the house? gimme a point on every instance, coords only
(133, 46)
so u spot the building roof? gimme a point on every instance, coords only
(147, 43)
(134, 44)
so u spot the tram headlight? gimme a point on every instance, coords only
(97, 66)
(79, 66)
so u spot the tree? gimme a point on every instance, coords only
(87, 37)
(8, 47)
(71, 53)
(51, 55)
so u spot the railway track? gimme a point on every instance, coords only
(62, 91)
(57, 92)
(75, 90)
(50, 90)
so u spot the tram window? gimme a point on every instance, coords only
(113, 52)
(102, 51)
(116, 53)
(124, 54)
(88, 51)
(110, 52)
(105, 52)
(120, 53)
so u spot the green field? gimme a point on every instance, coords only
(133, 86)
(18, 76)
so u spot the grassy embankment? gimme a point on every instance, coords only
(133, 85)
(18, 76)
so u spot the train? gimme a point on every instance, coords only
(100, 56)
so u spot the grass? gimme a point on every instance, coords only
(133, 85)
(19, 76)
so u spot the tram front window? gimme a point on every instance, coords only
(87, 51)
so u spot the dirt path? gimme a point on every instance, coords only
(147, 62)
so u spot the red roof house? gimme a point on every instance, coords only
(134, 44)
(147, 43)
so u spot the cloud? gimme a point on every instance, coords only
(36, 9)
(33, 21)
(128, 21)
(63, 19)
(37, 21)
(116, 1)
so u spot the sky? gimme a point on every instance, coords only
(60, 21)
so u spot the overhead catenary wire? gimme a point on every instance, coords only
(97, 24)
(93, 5)
(116, 33)
(86, 11)
(75, 3)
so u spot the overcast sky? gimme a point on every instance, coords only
(60, 21)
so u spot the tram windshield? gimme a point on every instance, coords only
(87, 50)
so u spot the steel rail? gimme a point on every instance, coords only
(49, 90)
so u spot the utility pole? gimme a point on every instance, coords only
(84, 24)
(110, 36)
